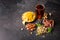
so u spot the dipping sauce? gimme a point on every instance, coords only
(39, 11)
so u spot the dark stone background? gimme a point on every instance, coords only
(10, 19)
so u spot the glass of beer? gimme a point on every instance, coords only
(39, 11)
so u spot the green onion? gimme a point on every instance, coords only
(38, 24)
(49, 29)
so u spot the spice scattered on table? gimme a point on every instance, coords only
(31, 32)
(43, 36)
(22, 29)
(50, 14)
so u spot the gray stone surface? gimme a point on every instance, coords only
(11, 23)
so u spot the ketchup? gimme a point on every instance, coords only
(39, 11)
